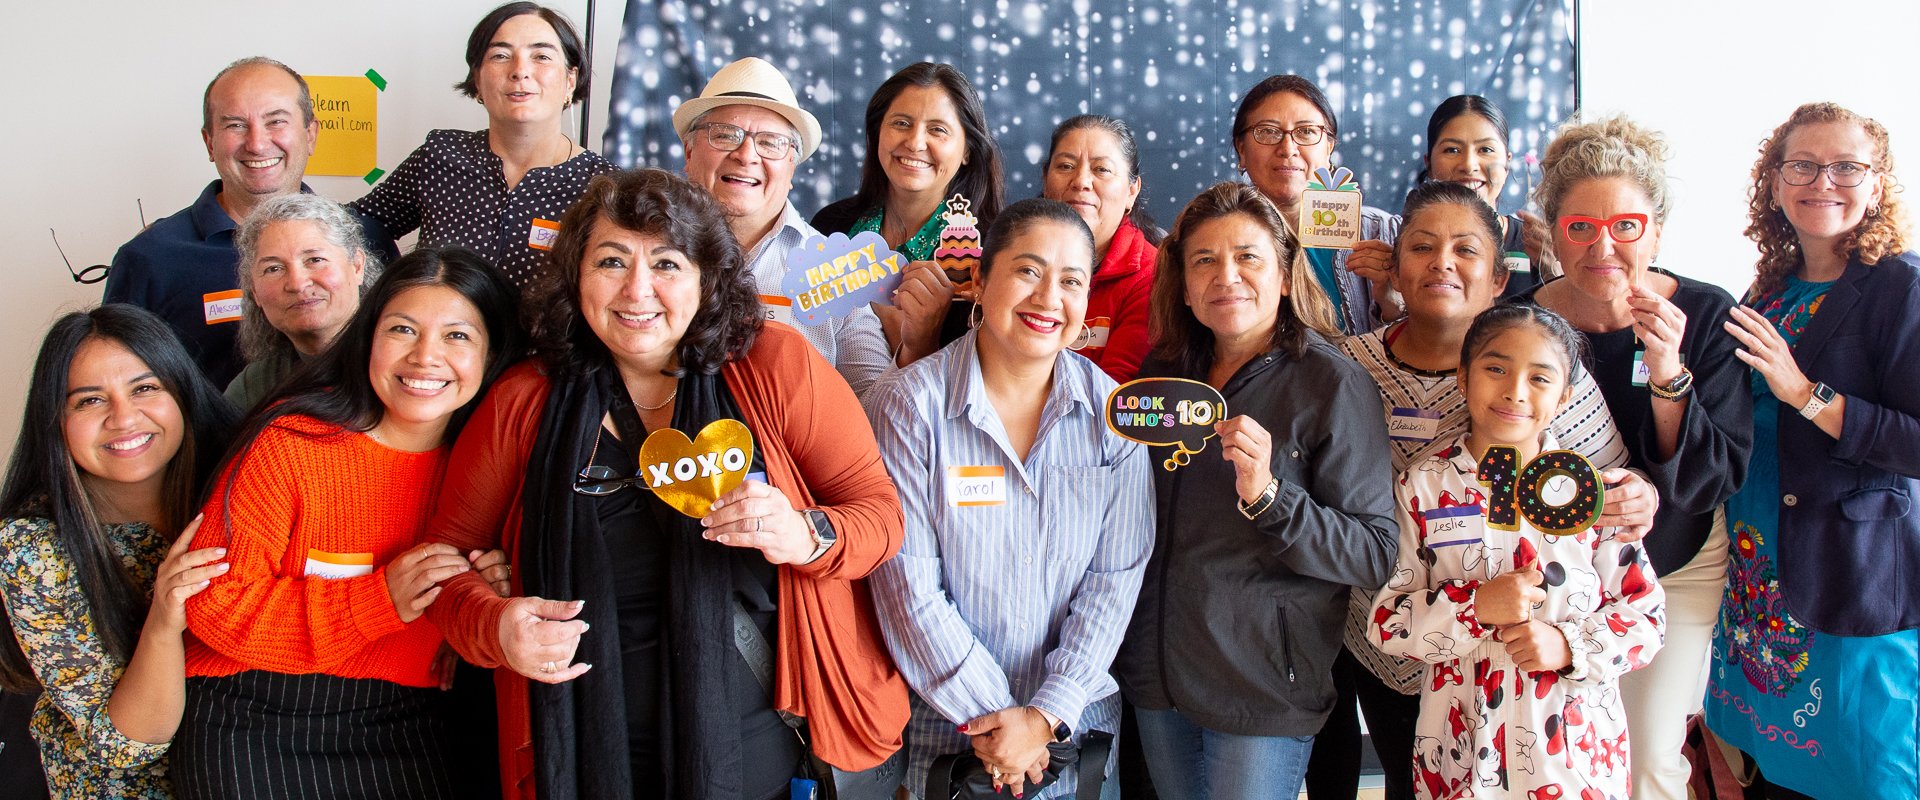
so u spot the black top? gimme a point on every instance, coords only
(1716, 432)
(638, 560)
(1239, 620)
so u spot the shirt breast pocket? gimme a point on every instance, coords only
(1072, 512)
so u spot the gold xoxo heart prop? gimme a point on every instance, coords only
(690, 475)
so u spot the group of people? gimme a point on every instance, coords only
(414, 550)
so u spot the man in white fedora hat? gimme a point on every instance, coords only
(743, 137)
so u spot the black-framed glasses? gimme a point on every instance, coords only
(728, 138)
(1304, 135)
(90, 275)
(1846, 174)
(599, 481)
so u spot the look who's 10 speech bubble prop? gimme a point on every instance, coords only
(834, 276)
(1558, 492)
(1173, 412)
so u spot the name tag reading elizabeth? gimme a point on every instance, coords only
(1413, 425)
(976, 486)
(322, 564)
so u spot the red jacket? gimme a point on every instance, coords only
(832, 666)
(1117, 306)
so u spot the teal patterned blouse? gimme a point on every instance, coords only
(84, 754)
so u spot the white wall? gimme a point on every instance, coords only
(109, 111)
(1717, 77)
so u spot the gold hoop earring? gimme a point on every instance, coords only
(1085, 338)
(975, 316)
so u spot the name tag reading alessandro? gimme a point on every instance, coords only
(322, 564)
(976, 486)
(222, 306)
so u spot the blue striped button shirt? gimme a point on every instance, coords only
(1022, 602)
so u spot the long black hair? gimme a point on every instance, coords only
(43, 481)
(1461, 105)
(334, 388)
(979, 180)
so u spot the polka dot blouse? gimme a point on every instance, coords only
(454, 190)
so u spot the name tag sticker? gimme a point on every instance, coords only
(322, 564)
(222, 306)
(1517, 262)
(1453, 525)
(777, 309)
(1101, 327)
(1641, 374)
(542, 234)
(976, 486)
(1413, 425)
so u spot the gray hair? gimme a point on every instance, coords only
(259, 339)
(206, 98)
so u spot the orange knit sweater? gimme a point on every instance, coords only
(316, 514)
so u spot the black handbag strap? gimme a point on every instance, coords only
(950, 771)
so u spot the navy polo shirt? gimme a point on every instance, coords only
(182, 268)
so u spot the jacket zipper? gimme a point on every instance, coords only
(1286, 644)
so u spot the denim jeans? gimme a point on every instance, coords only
(1189, 762)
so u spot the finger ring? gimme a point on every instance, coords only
(509, 570)
(756, 524)
(549, 667)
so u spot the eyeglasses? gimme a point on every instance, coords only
(1846, 174)
(1304, 135)
(599, 481)
(93, 274)
(1624, 228)
(728, 138)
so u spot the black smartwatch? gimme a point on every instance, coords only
(1062, 733)
(822, 531)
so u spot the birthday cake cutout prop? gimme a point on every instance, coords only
(959, 251)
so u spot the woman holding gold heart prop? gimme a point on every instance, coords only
(665, 653)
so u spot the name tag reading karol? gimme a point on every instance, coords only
(976, 486)
(322, 564)
(1413, 425)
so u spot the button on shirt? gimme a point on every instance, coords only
(1020, 596)
(852, 343)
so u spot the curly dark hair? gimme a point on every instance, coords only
(1880, 235)
(656, 203)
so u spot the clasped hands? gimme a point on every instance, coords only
(1012, 744)
(1506, 604)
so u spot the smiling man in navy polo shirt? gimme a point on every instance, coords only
(258, 125)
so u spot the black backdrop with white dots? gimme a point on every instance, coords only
(1173, 69)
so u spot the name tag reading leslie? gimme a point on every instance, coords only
(976, 486)
(1454, 525)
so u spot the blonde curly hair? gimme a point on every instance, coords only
(1881, 233)
(1615, 147)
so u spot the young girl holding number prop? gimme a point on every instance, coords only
(1526, 631)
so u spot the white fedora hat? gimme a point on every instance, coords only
(751, 82)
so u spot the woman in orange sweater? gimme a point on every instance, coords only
(667, 653)
(311, 672)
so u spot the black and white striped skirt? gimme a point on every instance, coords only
(271, 736)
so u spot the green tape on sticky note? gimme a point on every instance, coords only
(374, 175)
(378, 82)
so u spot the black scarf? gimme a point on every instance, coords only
(580, 727)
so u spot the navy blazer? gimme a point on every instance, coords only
(1849, 535)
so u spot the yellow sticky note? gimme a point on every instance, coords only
(347, 107)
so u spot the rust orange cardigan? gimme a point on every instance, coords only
(833, 668)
